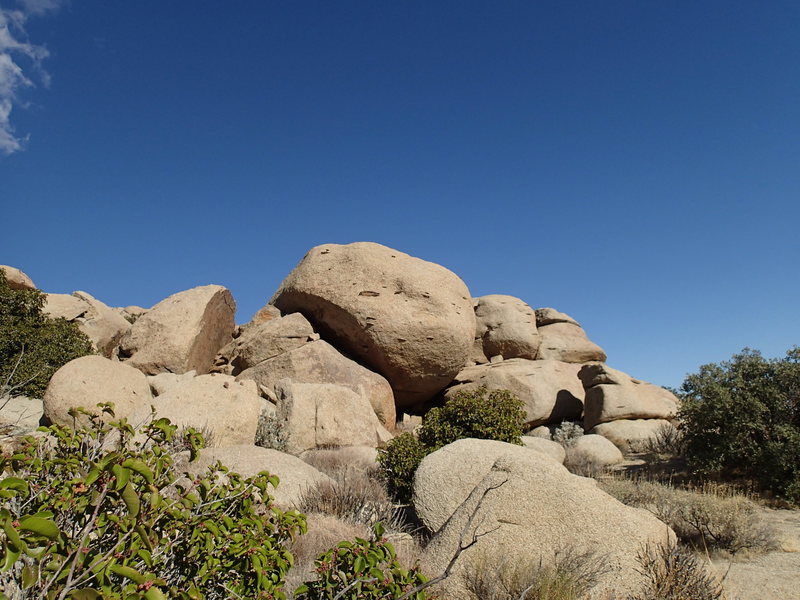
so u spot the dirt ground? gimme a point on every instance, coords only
(771, 576)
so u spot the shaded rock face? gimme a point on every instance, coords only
(89, 380)
(184, 332)
(550, 389)
(103, 325)
(612, 395)
(261, 341)
(506, 326)
(295, 475)
(318, 415)
(567, 342)
(16, 279)
(410, 320)
(218, 404)
(319, 362)
(524, 505)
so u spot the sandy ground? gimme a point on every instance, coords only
(771, 576)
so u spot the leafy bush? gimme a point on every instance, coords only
(100, 513)
(741, 418)
(361, 570)
(32, 345)
(496, 415)
(399, 461)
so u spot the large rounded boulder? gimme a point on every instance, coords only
(410, 320)
(501, 500)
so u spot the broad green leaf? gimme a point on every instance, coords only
(122, 476)
(139, 467)
(39, 526)
(129, 573)
(131, 500)
(14, 483)
(86, 594)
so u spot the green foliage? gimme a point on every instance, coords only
(741, 418)
(496, 415)
(399, 461)
(362, 569)
(100, 513)
(32, 345)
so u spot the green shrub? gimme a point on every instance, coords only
(361, 570)
(399, 461)
(741, 418)
(496, 415)
(101, 513)
(32, 345)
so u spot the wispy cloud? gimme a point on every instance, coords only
(15, 51)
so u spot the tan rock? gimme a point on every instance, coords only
(265, 313)
(16, 279)
(548, 447)
(506, 326)
(181, 333)
(526, 507)
(90, 380)
(612, 395)
(314, 415)
(167, 382)
(632, 435)
(103, 325)
(592, 453)
(20, 413)
(225, 409)
(550, 389)
(567, 342)
(295, 475)
(410, 320)
(319, 362)
(548, 316)
(261, 341)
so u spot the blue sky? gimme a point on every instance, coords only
(635, 164)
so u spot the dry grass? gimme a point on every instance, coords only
(712, 517)
(331, 461)
(675, 573)
(569, 576)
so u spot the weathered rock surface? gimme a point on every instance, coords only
(550, 389)
(632, 435)
(181, 333)
(506, 326)
(16, 279)
(295, 475)
(314, 415)
(592, 453)
(612, 395)
(548, 316)
(226, 409)
(567, 342)
(410, 320)
(548, 447)
(89, 380)
(20, 414)
(166, 382)
(319, 362)
(261, 341)
(528, 506)
(103, 325)
(264, 314)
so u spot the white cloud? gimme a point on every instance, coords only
(15, 50)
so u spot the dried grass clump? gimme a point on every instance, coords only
(569, 576)
(675, 573)
(668, 441)
(354, 495)
(332, 461)
(711, 517)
